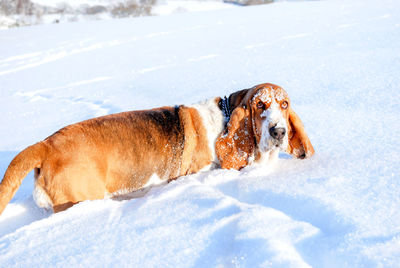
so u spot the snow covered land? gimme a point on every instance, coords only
(339, 60)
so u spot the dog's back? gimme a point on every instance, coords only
(104, 156)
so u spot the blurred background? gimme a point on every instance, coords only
(14, 13)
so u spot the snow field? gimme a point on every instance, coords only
(338, 60)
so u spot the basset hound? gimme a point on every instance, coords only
(121, 153)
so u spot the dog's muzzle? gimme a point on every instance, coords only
(274, 137)
(278, 133)
(277, 137)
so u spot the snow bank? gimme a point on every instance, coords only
(336, 59)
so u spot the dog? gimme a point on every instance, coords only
(122, 153)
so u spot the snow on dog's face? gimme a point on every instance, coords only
(270, 116)
(262, 123)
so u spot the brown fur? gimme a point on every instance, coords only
(120, 152)
(299, 144)
(234, 147)
(196, 154)
(111, 153)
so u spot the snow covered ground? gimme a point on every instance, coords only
(339, 61)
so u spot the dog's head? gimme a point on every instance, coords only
(262, 121)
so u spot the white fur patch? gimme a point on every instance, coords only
(122, 191)
(41, 198)
(273, 118)
(213, 121)
(268, 158)
(154, 180)
(128, 193)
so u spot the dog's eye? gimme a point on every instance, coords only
(260, 105)
(284, 105)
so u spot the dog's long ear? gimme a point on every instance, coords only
(299, 143)
(237, 98)
(234, 146)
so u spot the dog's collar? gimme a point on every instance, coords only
(225, 107)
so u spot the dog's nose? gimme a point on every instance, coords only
(277, 132)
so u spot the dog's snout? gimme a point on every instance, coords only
(277, 132)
